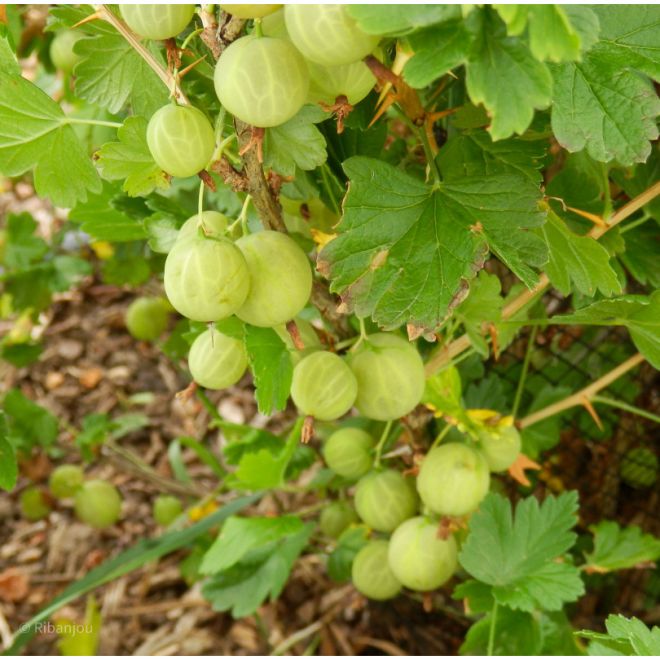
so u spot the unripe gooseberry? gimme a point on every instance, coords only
(453, 479)
(65, 480)
(250, 11)
(61, 50)
(639, 467)
(157, 21)
(323, 386)
(166, 509)
(34, 504)
(327, 35)
(371, 572)
(326, 83)
(383, 500)
(280, 278)
(335, 518)
(146, 318)
(213, 224)
(98, 503)
(261, 80)
(418, 557)
(180, 139)
(500, 446)
(347, 452)
(390, 375)
(217, 361)
(206, 279)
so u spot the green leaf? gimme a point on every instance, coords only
(68, 271)
(406, 252)
(262, 573)
(162, 231)
(400, 19)
(8, 463)
(473, 153)
(639, 314)
(265, 468)
(610, 112)
(482, 307)
(624, 637)
(641, 254)
(545, 434)
(443, 392)
(34, 134)
(28, 423)
(552, 36)
(578, 261)
(479, 596)
(437, 50)
(101, 220)
(629, 37)
(95, 430)
(111, 74)
(141, 553)
(616, 548)
(22, 247)
(131, 160)
(270, 362)
(515, 553)
(8, 62)
(504, 76)
(548, 588)
(516, 633)
(239, 536)
(296, 143)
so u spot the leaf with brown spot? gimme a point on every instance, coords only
(427, 236)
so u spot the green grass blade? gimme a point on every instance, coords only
(141, 553)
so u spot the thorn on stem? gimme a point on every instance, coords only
(188, 392)
(307, 432)
(256, 140)
(208, 181)
(294, 333)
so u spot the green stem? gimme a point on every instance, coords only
(525, 369)
(381, 442)
(635, 223)
(425, 143)
(363, 334)
(200, 206)
(615, 403)
(491, 630)
(326, 184)
(429, 156)
(346, 343)
(607, 202)
(441, 435)
(190, 37)
(258, 30)
(92, 122)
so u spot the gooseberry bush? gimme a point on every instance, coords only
(354, 210)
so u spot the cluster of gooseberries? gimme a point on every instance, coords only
(263, 78)
(265, 279)
(96, 502)
(410, 546)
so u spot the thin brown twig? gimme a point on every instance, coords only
(445, 355)
(584, 395)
